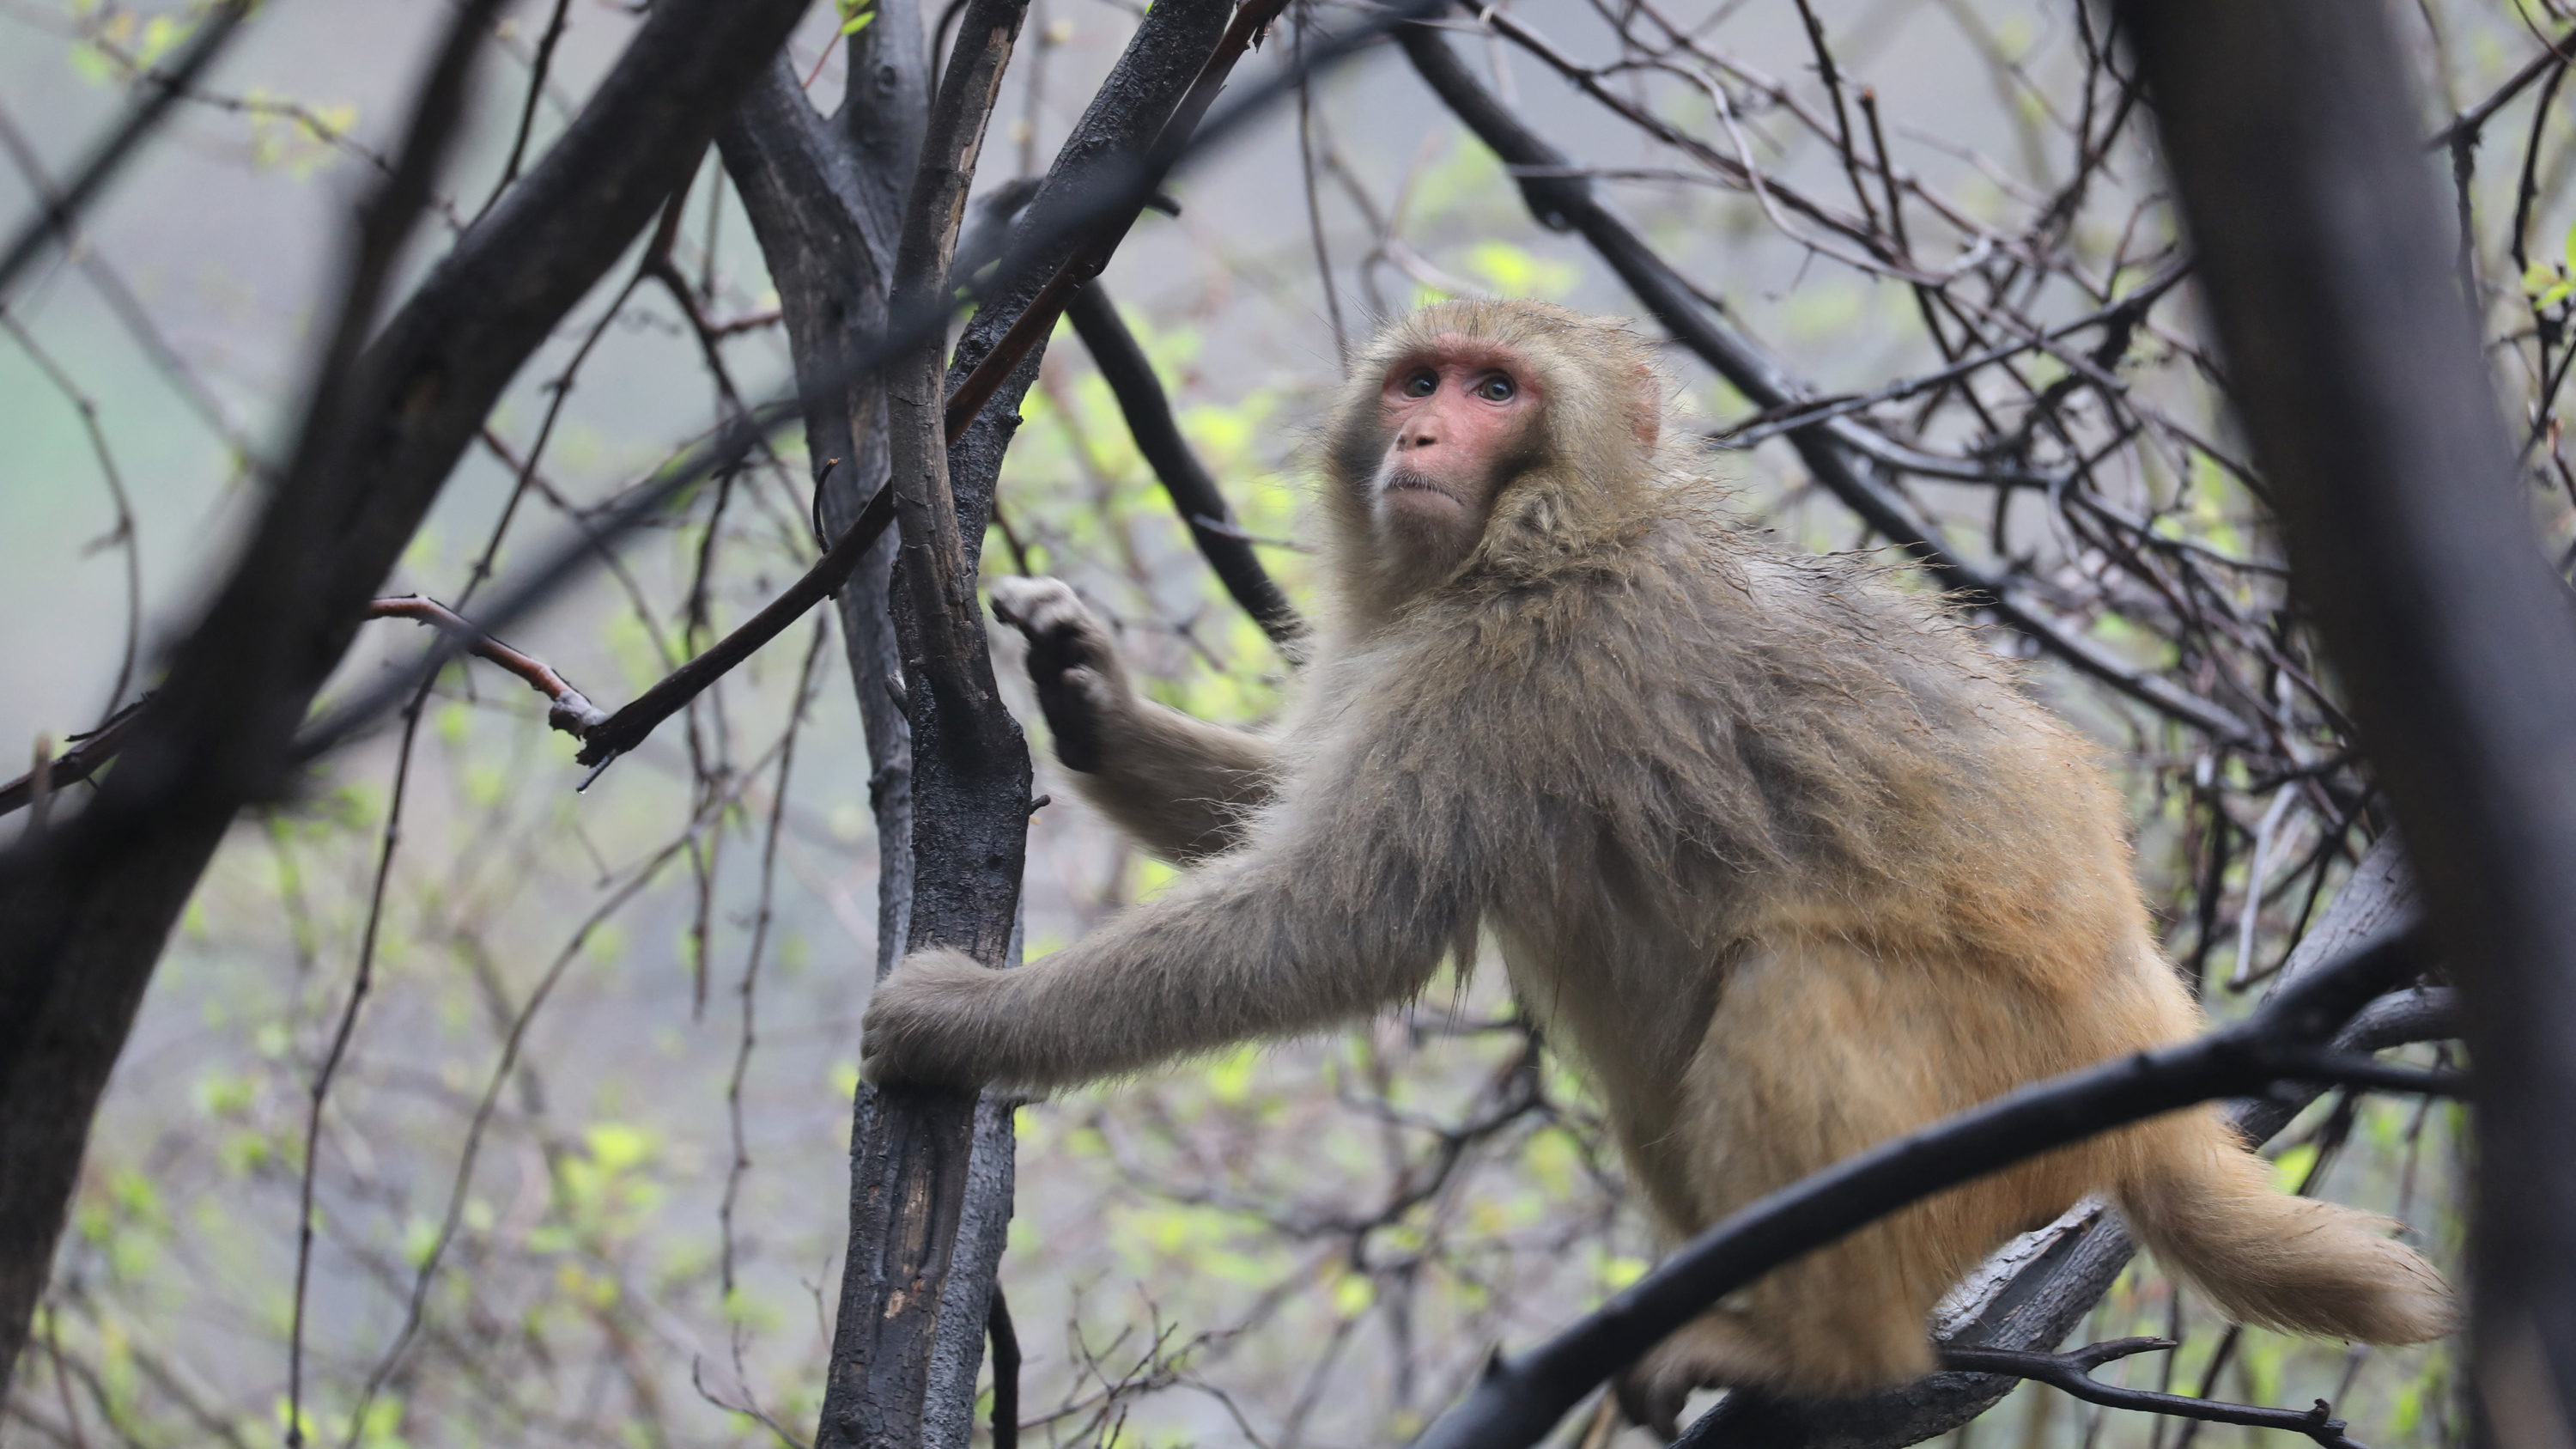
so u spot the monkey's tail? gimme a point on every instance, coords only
(2207, 1208)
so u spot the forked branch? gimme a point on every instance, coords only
(2072, 1372)
(566, 708)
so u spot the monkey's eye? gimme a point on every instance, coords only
(1496, 388)
(1423, 383)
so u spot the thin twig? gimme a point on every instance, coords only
(566, 707)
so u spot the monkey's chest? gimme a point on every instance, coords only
(1629, 999)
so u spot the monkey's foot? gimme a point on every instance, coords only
(1714, 1351)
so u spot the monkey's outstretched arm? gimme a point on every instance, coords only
(1180, 786)
(1316, 923)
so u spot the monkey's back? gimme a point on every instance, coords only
(1779, 731)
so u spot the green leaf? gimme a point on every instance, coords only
(857, 23)
(1353, 1294)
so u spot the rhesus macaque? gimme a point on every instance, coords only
(1775, 848)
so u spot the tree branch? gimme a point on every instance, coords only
(1130, 375)
(163, 89)
(1112, 193)
(89, 754)
(1521, 1398)
(2072, 1372)
(2327, 258)
(930, 1171)
(566, 709)
(618, 733)
(825, 201)
(1036, 317)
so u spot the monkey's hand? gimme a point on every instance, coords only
(1081, 682)
(924, 1019)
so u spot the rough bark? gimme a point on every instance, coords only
(930, 1170)
(825, 198)
(930, 1192)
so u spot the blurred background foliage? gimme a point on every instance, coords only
(582, 1178)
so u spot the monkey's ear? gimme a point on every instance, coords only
(1646, 406)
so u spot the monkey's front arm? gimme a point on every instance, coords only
(1181, 786)
(1329, 919)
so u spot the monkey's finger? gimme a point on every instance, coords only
(1033, 604)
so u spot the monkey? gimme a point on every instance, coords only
(1773, 845)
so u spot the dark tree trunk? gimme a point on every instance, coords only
(2327, 255)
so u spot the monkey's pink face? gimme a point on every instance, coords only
(1458, 416)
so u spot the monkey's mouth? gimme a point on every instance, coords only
(1404, 480)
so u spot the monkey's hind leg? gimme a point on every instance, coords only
(1715, 1349)
(1819, 1050)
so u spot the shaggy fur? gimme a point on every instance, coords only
(1773, 847)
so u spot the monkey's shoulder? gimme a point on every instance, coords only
(1689, 637)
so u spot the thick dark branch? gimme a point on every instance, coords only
(2073, 1372)
(932, 561)
(825, 201)
(1131, 379)
(930, 1171)
(624, 730)
(162, 90)
(87, 910)
(1836, 450)
(1522, 1397)
(1036, 318)
(2327, 258)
